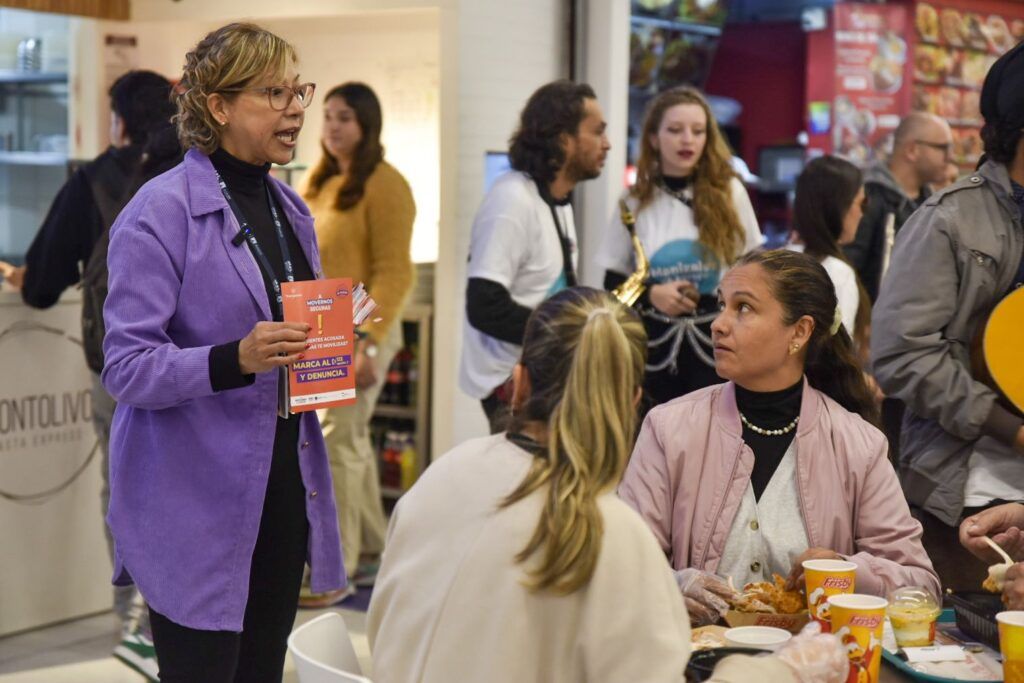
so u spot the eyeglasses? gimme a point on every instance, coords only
(941, 146)
(280, 96)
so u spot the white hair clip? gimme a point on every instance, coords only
(837, 322)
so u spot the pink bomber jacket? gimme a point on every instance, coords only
(690, 469)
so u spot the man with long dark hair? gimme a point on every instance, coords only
(523, 245)
(954, 260)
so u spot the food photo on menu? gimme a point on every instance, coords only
(954, 51)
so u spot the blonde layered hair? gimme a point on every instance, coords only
(718, 226)
(584, 353)
(232, 57)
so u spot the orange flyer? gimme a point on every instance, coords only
(324, 378)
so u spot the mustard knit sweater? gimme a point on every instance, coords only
(370, 241)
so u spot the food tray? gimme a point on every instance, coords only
(891, 659)
(976, 615)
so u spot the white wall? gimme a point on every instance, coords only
(494, 54)
(221, 11)
(605, 65)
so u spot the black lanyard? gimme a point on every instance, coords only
(563, 238)
(254, 245)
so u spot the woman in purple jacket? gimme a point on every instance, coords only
(218, 494)
(781, 464)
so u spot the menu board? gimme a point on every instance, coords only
(870, 70)
(955, 49)
(662, 57)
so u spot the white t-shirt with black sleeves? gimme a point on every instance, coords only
(670, 238)
(514, 243)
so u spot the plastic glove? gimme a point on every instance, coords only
(705, 595)
(816, 657)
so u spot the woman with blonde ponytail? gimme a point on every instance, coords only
(512, 561)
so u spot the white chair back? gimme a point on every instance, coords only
(323, 652)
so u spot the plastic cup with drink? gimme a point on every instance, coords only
(858, 621)
(823, 579)
(913, 612)
(1011, 644)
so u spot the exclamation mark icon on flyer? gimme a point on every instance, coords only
(319, 324)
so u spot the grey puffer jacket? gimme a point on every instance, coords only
(954, 259)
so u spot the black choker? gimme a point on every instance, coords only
(678, 188)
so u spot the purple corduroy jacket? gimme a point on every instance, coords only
(189, 466)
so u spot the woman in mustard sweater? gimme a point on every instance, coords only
(364, 212)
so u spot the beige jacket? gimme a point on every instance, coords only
(690, 469)
(449, 604)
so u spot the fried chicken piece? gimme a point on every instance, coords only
(770, 598)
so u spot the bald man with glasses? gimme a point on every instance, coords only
(894, 189)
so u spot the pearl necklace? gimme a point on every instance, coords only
(770, 432)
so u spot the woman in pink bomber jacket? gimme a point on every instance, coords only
(781, 464)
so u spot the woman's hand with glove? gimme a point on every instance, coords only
(706, 596)
(815, 657)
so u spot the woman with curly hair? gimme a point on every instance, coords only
(693, 219)
(218, 494)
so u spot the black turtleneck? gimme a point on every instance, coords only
(768, 410)
(248, 186)
(676, 183)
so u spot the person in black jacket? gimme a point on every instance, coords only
(71, 248)
(894, 189)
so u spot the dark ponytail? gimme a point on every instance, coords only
(802, 286)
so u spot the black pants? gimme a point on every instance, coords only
(256, 655)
